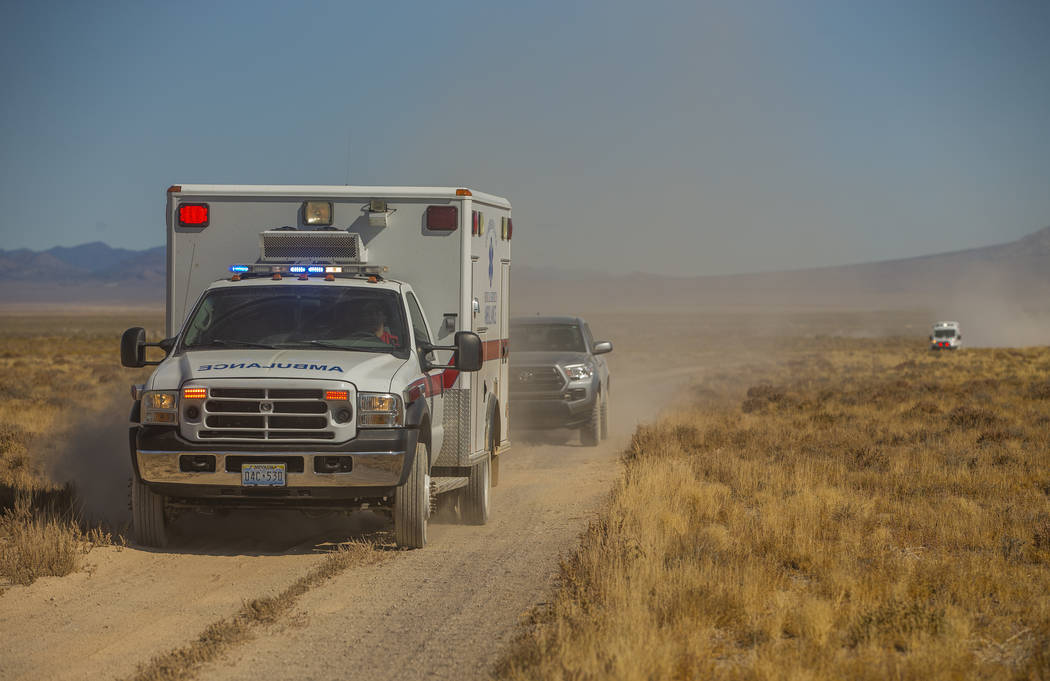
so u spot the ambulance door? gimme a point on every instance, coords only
(434, 392)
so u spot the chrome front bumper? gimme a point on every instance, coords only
(379, 469)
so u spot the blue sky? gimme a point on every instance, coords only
(680, 138)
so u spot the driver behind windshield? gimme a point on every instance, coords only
(375, 321)
(356, 319)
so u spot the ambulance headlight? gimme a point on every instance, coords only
(578, 372)
(379, 410)
(159, 407)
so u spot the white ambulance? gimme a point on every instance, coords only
(946, 336)
(327, 348)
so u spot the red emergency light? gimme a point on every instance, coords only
(193, 214)
(442, 218)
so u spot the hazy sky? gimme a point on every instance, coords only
(683, 138)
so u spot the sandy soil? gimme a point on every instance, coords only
(441, 612)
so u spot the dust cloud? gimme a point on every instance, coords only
(997, 311)
(1000, 297)
(92, 457)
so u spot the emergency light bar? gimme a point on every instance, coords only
(266, 268)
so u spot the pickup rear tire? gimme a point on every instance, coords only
(474, 504)
(591, 433)
(412, 504)
(147, 516)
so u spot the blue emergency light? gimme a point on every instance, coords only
(239, 268)
(297, 269)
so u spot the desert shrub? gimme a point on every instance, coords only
(1039, 390)
(922, 409)
(761, 396)
(894, 623)
(966, 416)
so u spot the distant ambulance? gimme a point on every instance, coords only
(945, 336)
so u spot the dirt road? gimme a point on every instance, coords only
(442, 612)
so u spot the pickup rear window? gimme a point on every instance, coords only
(323, 317)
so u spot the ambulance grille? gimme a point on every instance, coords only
(267, 413)
(328, 246)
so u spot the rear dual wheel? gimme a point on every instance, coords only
(474, 502)
(474, 498)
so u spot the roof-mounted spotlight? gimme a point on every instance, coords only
(317, 213)
(378, 213)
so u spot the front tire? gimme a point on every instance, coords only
(147, 516)
(412, 504)
(591, 433)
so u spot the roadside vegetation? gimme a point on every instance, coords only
(56, 374)
(861, 509)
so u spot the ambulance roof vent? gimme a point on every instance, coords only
(279, 245)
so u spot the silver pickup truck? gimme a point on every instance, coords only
(558, 377)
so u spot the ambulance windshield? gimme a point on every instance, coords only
(323, 317)
(944, 333)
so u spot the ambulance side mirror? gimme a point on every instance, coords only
(468, 351)
(133, 347)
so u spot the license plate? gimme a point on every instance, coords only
(263, 475)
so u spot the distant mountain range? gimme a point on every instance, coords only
(1018, 271)
(93, 262)
(1013, 273)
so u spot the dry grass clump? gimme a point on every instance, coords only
(882, 513)
(43, 538)
(37, 544)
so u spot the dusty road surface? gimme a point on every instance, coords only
(445, 611)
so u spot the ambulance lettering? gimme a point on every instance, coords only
(272, 365)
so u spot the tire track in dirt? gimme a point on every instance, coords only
(131, 603)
